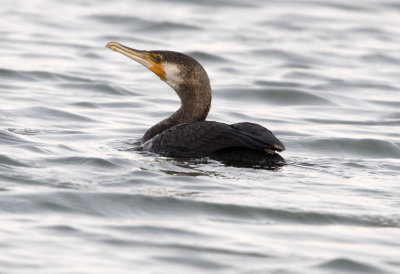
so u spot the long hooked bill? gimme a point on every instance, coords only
(139, 56)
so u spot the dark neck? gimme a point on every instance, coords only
(195, 105)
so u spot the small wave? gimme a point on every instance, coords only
(128, 39)
(5, 160)
(279, 84)
(346, 7)
(117, 19)
(332, 83)
(377, 32)
(139, 24)
(295, 97)
(371, 148)
(350, 266)
(86, 105)
(97, 86)
(204, 56)
(91, 55)
(36, 75)
(277, 96)
(84, 161)
(8, 74)
(392, 5)
(181, 246)
(126, 205)
(61, 228)
(8, 138)
(381, 59)
(385, 103)
(218, 3)
(25, 131)
(34, 131)
(47, 113)
(289, 56)
(167, 26)
(392, 119)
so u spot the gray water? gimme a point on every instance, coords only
(78, 196)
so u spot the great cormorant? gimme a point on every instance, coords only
(186, 133)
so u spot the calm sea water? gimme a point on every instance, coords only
(77, 196)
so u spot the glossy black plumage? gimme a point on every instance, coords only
(241, 142)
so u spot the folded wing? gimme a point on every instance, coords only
(199, 139)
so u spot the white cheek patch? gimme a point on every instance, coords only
(172, 74)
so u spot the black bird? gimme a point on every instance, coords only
(186, 133)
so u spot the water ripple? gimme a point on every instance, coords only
(350, 266)
(20, 75)
(139, 24)
(98, 87)
(276, 96)
(117, 204)
(371, 148)
(47, 113)
(7, 161)
(322, 75)
(206, 57)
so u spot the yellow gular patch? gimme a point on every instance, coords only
(159, 70)
(156, 66)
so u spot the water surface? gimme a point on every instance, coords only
(77, 195)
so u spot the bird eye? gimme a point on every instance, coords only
(158, 59)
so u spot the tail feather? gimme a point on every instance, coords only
(246, 139)
(260, 133)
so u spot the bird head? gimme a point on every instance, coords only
(175, 68)
(151, 60)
